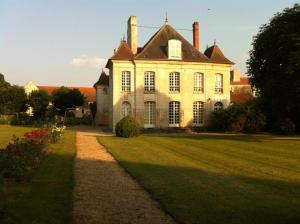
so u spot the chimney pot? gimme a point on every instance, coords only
(196, 35)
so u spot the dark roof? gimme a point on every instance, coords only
(243, 81)
(215, 55)
(103, 80)
(156, 47)
(241, 97)
(123, 51)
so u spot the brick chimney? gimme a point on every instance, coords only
(196, 35)
(132, 36)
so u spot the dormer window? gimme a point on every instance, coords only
(174, 49)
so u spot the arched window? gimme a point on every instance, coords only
(174, 82)
(149, 116)
(174, 49)
(218, 83)
(174, 113)
(198, 113)
(126, 81)
(126, 109)
(149, 82)
(218, 106)
(198, 82)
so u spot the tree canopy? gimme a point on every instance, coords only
(39, 102)
(64, 98)
(274, 66)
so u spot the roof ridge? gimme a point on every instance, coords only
(151, 39)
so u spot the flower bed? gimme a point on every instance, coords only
(22, 155)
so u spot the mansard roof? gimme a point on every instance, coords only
(123, 51)
(156, 47)
(103, 80)
(215, 55)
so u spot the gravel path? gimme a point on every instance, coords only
(105, 193)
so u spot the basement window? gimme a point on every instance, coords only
(174, 49)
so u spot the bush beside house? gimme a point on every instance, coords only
(127, 127)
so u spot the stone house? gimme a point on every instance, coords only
(166, 83)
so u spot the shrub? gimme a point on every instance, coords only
(127, 127)
(19, 158)
(22, 119)
(5, 119)
(285, 127)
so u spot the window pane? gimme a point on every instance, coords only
(149, 81)
(126, 81)
(218, 106)
(198, 112)
(174, 82)
(219, 83)
(174, 113)
(149, 117)
(126, 109)
(198, 82)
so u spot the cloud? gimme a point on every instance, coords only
(89, 61)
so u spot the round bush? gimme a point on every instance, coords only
(285, 127)
(127, 127)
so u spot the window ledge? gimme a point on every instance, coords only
(198, 92)
(149, 92)
(174, 92)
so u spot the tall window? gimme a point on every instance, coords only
(198, 113)
(198, 82)
(174, 113)
(126, 81)
(174, 82)
(126, 109)
(218, 106)
(219, 83)
(149, 117)
(174, 49)
(149, 82)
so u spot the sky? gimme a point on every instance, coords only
(64, 42)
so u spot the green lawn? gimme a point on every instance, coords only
(47, 198)
(7, 131)
(217, 179)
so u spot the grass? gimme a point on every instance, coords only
(7, 131)
(217, 179)
(47, 198)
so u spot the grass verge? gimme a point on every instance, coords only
(47, 198)
(217, 179)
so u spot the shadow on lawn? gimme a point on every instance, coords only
(197, 196)
(235, 137)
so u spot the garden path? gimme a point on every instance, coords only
(105, 193)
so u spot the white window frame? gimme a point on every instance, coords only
(218, 83)
(198, 113)
(126, 109)
(149, 82)
(174, 114)
(149, 114)
(126, 81)
(174, 82)
(174, 49)
(218, 106)
(198, 82)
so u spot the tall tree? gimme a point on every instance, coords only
(39, 102)
(3, 83)
(13, 100)
(274, 66)
(64, 98)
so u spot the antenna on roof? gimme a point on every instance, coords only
(215, 42)
(123, 39)
(166, 20)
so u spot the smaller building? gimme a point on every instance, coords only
(240, 88)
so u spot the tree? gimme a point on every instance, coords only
(13, 100)
(274, 66)
(39, 102)
(64, 98)
(3, 83)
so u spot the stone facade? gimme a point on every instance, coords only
(111, 95)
